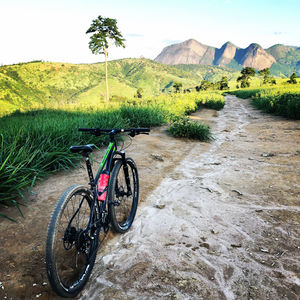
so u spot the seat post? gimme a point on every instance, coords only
(89, 170)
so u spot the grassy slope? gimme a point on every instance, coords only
(286, 57)
(51, 85)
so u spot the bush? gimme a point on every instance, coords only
(183, 127)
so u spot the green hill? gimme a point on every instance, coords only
(287, 59)
(39, 84)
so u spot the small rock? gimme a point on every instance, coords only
(236, 245)
(34, 284)
(188, 245)
(204, 245)
(38, 295)
(267, 154)
(214, 231)
(44, 283)
(128, 246)
(160, 206)
(264, 250)
(237, 191)
(206, 188)
(258, 210)
(157, 157)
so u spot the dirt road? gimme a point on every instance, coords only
(226, 227)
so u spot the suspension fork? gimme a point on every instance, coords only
(126, 172)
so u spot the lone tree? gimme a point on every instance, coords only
(177, 86)
(139, 93)
(265, 73)
(105, 32)
(246, 74)
(293, 78)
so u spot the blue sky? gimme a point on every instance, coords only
(55, 30)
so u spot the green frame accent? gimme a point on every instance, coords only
(110, 149)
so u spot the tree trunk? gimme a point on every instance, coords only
(106, 77)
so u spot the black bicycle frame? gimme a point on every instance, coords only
(105, 165)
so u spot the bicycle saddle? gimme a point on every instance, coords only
(84, 149)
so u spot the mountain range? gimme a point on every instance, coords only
(281, 59)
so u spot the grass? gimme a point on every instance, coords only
(185, 128)
(36, 143)
(39, 85)
(281, 100)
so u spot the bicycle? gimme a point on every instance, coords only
(83, 215)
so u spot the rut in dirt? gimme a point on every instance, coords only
(223, 225)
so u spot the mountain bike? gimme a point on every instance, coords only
(83, 215)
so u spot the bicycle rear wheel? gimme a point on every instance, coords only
(70, 252)
(123, 196)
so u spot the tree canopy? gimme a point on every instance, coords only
(247, 73)
(104, 30)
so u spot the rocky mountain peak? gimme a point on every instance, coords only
(193, 52)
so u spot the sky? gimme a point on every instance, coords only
(54, 30)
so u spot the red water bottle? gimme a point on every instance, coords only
(102, 185)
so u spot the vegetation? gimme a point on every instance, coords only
(286, 57)
(184, 127)
(247, 73)
(177, 87)
(219, 85)
(283, 100)
(139, 93)
(47, 102)
(40, 85)
(293, 78)
(36, 143)
(104, 30)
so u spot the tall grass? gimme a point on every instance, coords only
(283, 101)
(36, 143)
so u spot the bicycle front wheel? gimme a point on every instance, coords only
(70, 251)
(123, 195)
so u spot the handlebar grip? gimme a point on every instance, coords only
(141, 130)
(144, 129)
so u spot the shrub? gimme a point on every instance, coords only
(184, 127)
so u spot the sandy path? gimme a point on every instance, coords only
(230, 225)
(229, 228)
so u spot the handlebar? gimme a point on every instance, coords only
(132, 131)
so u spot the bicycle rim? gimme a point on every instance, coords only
(72, 252)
